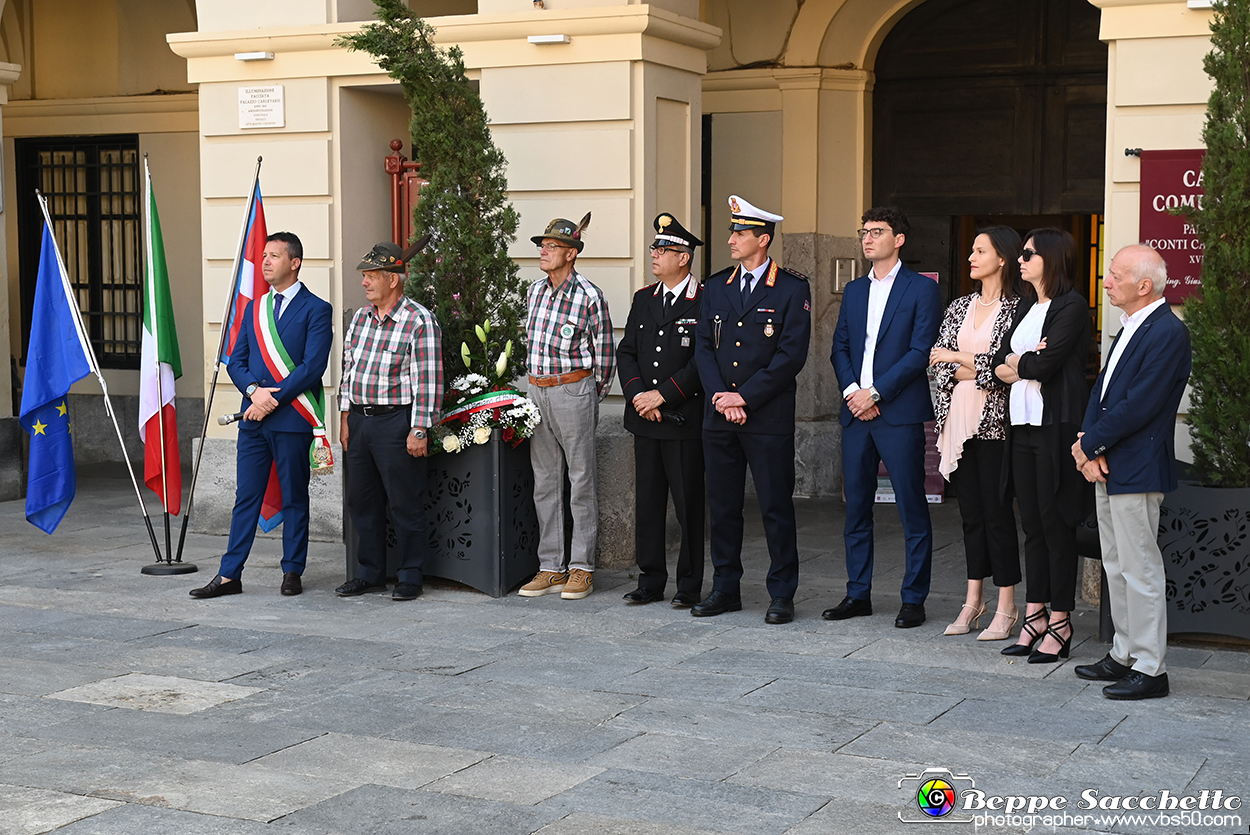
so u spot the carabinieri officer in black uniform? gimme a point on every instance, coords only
(750, 345)
(655, 361)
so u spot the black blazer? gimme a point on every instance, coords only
(657, 352)
(1060, 368)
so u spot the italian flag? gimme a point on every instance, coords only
(161, 365)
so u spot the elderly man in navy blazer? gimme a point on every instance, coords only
(888, 322)
(1126, 447)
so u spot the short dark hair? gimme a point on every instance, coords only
(1058, 251)
(1006, 244)
(892, 215)
(294, 249)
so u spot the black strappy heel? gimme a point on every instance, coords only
(1035, 635)
(1065, 644)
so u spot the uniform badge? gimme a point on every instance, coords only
(768, 329)
(685, 342)
(567, 331)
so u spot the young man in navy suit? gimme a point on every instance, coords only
(276, 433)
(888, 321)
(1126, 447)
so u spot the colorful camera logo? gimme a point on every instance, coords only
(933, 795)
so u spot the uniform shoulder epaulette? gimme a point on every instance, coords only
(795, 273)
(650, 287)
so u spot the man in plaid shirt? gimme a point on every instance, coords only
(571, 355)
(389, 397)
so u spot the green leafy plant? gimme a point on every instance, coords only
(464, 275)
(1219, 315)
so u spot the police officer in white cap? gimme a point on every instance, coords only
(751, 344)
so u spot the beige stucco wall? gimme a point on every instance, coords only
(1156, 100)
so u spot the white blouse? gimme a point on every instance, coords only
(1026, 403)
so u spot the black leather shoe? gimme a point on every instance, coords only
(405, 591)
(850, 607)
(717, 603)
(216, 588)
(352, 588)
(684, 600)
(641, 595)
(291, 584)
(1137, 685)
(780, 610)
(910, 616)
(1108, 669)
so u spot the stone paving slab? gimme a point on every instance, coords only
(362, 760)
(163, 694)
(29, 715)
(861, 703)
(391, 811)
(1030, 719)
(970, 751)
(518, 780)
(580, 823)
(661, 798)
(684, 756)
(133, 818)
(744, 722)
(29, 677)
(693, 684)
(88, 770)
(26, 811)
(830, 775)
(558, 704)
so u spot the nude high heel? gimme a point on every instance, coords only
(1000, 635)
(958, 628)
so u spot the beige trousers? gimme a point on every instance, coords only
(1128, 527)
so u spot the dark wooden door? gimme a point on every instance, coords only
(988, 107)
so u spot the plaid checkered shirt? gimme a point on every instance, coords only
(394, 360)
(569, 329)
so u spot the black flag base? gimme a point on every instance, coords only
(163, 568)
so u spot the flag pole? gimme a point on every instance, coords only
(221, 346)
(164, 566)
(95, 367)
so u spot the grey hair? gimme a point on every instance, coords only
(1155, 269)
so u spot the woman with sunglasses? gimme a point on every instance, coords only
(1043, 358)
(971, 410)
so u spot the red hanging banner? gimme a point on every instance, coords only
(1173, 180)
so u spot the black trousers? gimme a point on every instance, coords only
(771, 458)
(379, 469)
(1049, 541)
(663, 468)
(990, 541)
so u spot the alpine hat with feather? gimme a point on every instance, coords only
(389, 257)
(565, 231)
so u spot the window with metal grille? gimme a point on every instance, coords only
(93, 188)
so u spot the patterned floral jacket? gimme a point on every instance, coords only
(994, 418)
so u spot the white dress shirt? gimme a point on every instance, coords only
(878, 295)
(1026, 404)
(752, 276)
(288, 295)
(1129, 324)
(677, 292)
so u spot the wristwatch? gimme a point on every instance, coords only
(876, 395)
(419, 434)
(251, 389)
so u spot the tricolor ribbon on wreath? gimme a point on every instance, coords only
(310, 404)
(480, 403)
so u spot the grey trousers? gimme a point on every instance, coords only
(1128, 526)
(566, 435)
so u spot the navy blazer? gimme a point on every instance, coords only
(1134, 423)
(756, 350)
(909, 328)
(306, 331)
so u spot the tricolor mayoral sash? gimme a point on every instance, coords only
(310, 404)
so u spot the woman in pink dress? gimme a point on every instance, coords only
(971, 420)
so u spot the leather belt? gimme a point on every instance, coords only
(559, 379)
(374, 411)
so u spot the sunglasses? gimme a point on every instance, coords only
(1026, 254)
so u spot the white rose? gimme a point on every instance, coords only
(482, 435)
(451, 444)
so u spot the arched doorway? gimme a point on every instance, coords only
(990, 111)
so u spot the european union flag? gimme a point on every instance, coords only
(55, 360)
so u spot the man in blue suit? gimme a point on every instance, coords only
(750, 344)
(276, 433)
(888, 321)
(1126, 447)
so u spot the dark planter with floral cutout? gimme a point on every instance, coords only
(483, 526)
(1204, 534)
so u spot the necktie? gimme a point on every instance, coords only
(668, 302)
(746, 288)
(277, 305)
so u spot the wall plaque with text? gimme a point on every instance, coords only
(1172, 180)
(262, 107)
